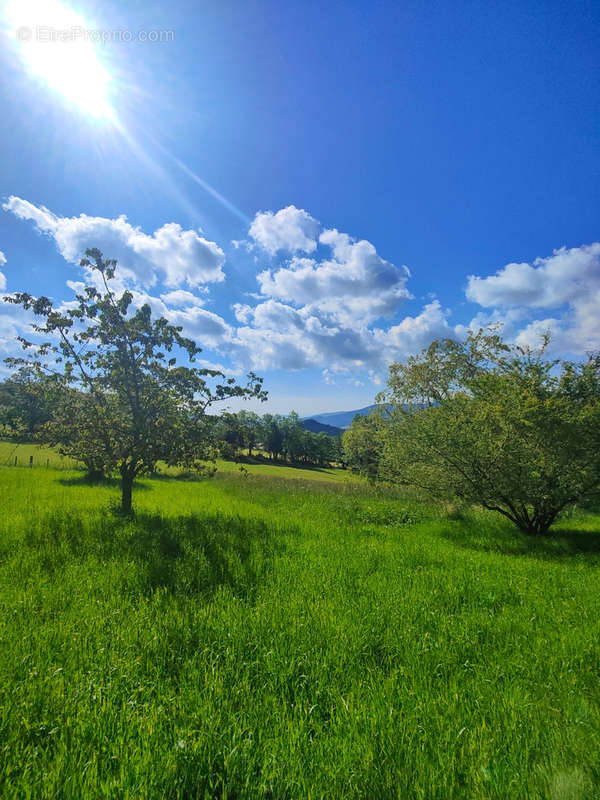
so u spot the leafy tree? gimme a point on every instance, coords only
(327, 448)
(293, 437)
(273, 435)
(497, 425)
(230, 435)
(250, 425)
(124, 403)
(362, 444)
(25, 403)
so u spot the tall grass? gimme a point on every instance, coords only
(250, 637)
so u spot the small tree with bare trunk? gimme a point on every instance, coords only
(123, 401)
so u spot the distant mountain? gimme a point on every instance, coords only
(341, 419)
(314, 426)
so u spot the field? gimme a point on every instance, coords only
(290, 634)
(20, 454)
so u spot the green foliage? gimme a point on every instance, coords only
(121, 399)
(26, 403)
(362, 444)
(498, 426)
(266, 638)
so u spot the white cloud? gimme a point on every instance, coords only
(170, 254)
(204, 327)
(322, 305)
(243, 312)
(278, 336)
(414, 333)
(547, 283)
(2, 277)
(319, 309)
(14, 321)
(291, 229)
(568, 282)
(328, 377)
(354, 286)
(181, 298)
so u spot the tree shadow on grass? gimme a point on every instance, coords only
(93, 483)
(184, 555)
(559, 544)
(197, 554)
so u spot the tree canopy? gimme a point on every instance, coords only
(497, 425)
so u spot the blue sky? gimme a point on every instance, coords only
(312, 190)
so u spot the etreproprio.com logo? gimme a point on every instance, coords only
(46, 34)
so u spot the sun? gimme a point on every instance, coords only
(56, 45)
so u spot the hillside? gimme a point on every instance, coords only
(314, 426)
(341, 419)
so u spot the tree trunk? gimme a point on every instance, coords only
(94, 473)
(126, 489)
(539, 527)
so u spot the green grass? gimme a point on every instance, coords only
(261, 637)
(14, 454)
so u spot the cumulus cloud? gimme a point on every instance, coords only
(207, 329)
(353, 285)
(204, 327)
(547, 283)
(567, 282)
(14, 322)
(291, 229)
(277, 336)
(170, 254)
(319, 305)
(412, 334)
(181, 298)
(2, 278)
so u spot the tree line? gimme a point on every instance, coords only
(32, 404)
(280, 438)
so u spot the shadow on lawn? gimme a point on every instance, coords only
(189, 555)
(93, 483)
(261, 461)
(559, 544)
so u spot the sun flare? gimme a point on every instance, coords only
(56, 45)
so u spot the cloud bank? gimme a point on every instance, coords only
(325, 299)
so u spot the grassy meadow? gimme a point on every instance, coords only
(289, 634)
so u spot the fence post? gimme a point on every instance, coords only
(15, 461)
(31, 461)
